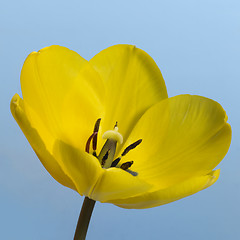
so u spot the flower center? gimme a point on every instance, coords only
(106, 155)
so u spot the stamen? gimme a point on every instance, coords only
(126, 165)
(131, 146)
(105, 157)
(93, 138)
(88, 142)
(96, 128)
(132, 172)
(115, 162)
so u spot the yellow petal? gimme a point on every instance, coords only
(92, 180)
(182, 137)
(133, 83)
(48, 161)
(116, 183)
(173, 193)
(83, 168)
(64, 91)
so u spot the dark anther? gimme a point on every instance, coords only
(93, 138)
(96, 128)
(126, 165)
(132, 146)
(105, 157)
(115, 162)
(88, 142)
(116, 124)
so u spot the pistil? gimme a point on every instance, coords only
(113, 137)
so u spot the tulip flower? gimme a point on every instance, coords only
(107, 129)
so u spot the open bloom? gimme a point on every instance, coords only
(107, 129)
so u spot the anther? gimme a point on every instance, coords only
(93, 138)
(115, 162)
(126, 165)
(131, 146)
(88, 142)
(96, 128)
(105, 157)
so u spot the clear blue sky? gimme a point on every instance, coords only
(196, 44)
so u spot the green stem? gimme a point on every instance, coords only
(84, 219)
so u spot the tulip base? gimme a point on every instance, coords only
(84, 219)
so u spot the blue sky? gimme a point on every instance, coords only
(196, 46)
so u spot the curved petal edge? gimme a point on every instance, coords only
(48, 161)
(171, 194)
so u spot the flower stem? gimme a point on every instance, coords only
(84, 219)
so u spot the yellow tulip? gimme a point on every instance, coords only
(166, 148)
